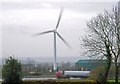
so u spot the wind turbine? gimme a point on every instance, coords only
(54, 31)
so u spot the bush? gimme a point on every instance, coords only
(97, 74)
(12, 71)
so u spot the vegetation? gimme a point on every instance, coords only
(12, 71)
(96, 74)
(97, 41)
(66, 82)
(115, 46)
(61, 81)
(104, 39)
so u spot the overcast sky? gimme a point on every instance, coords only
(22, 18)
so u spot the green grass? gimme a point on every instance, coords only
(75, 81)
(62, 81)
(66, 81)
(113, 81)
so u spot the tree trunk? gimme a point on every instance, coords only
(108, 64)
(116, 71)
(107, 68)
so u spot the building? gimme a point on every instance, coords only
(84, 65)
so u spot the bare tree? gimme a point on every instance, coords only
(98, 41)
(115, 43)
(104, 38)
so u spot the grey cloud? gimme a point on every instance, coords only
(77, 6)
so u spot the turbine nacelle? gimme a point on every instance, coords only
(55, 31)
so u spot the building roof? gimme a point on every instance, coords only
(90, 61)
(90, 64)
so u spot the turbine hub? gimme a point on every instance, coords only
(55, 31)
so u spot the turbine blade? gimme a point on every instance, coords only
(41, 33)
(63, 40)
(61, 11)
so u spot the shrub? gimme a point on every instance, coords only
(97, 74)
(12, 71)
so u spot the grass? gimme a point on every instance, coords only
(60, 82)
(113, 81)
(75, 80)
(66, 81)
(110, 81)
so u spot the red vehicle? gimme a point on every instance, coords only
(75, 74)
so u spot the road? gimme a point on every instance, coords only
(39, 78)
(49, 78)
